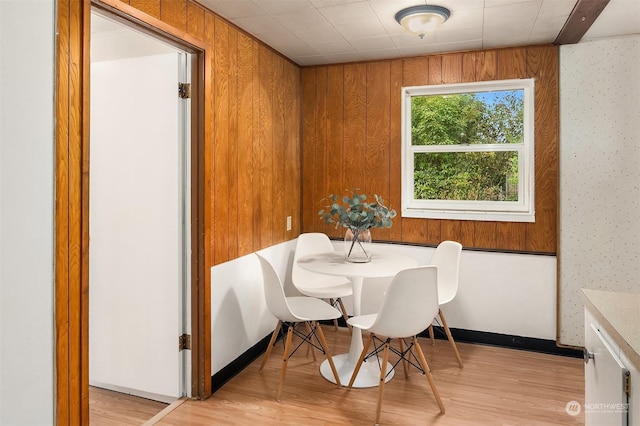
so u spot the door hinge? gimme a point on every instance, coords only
(184, 342)
(184, 90)
(627, 383)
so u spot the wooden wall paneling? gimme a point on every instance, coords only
(355, 129)
(452, 68)
(415, 71)
(266, 147)
(320, 188)
(296, 132)
(542, 64)
(467, 233)
(150, 7)
(511, 63)
(377, 151)
(451, 230)
(486, 65)
(233, 144)
(256, 160)
(174, 13)
(292, 147)
(308, 77)
(468, 72)
(485, 234)
(335, 142)
(245, 145)
(395, 151)
(221, 144)
(209, 34)
(464, 67)
(279, 156)
(201, 297)
(195, 20)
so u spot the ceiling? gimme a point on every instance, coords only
(313, 32)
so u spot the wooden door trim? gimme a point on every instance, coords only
(72, 205)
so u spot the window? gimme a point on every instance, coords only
(468, 151)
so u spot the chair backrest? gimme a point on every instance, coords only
(410, 303)
(309, 243)
(447, 259)
(274, 293)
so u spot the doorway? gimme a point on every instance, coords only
(139, 213)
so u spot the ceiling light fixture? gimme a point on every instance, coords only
(422, 20)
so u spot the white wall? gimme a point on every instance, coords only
(26, 212)
(599, 244)
(239, 314)
(510, 294)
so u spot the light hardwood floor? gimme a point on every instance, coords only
(109, 408)
(496, 387)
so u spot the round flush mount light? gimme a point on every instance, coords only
(422, 20)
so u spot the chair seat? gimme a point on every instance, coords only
(326, 287)
(309, 309)
(363, 321)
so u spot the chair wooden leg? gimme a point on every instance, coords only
(383, 376)
(405, 363)
(433, 340)
(453, 344)
(285, 359)
(274, 336)
(360, 360)
(335, 321)
(344, 313)
(427, 373)
(327, 353)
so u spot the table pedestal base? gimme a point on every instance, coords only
(368, 376)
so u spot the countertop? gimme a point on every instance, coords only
(618, 313)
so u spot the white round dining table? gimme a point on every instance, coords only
(383, 264)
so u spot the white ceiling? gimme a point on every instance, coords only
(312, 32)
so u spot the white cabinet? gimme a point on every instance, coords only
(607, 379)
(612, 337)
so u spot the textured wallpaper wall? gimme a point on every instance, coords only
(599, 241)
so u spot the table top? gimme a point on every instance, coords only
(383, 264)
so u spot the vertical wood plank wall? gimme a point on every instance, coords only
(351, 120)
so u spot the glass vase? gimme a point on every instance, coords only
(357, 245)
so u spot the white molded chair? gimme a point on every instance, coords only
(447, 259)
(410, 304)
(291, 311)
(319, 285)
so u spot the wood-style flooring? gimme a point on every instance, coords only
(109, 408)
(497, 386)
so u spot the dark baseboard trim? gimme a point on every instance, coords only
(239, 364)
(459, 335)
(505, 341)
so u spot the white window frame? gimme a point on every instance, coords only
(507, 211)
